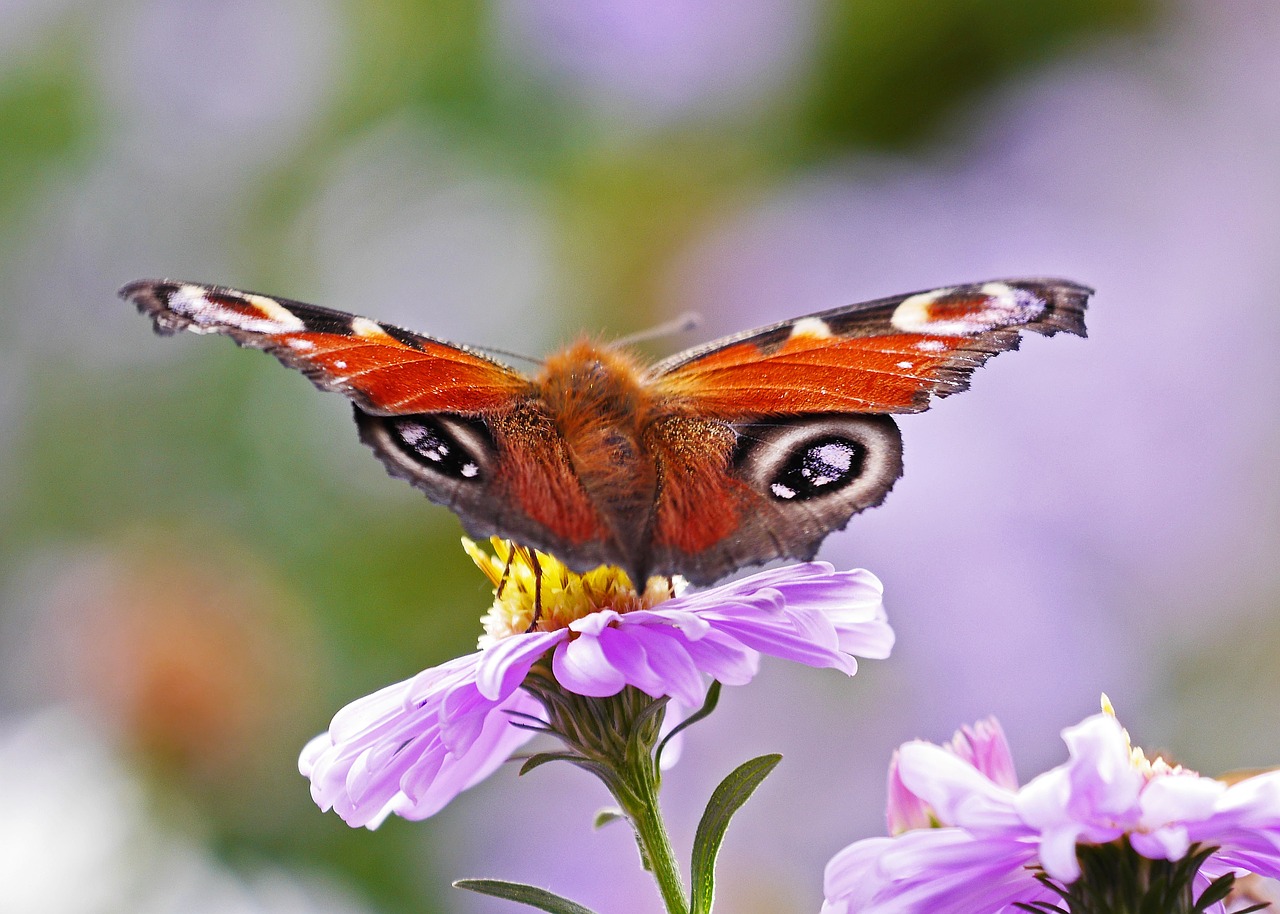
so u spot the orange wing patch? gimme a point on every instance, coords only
(809, 373)
(388, 377)
(698, 504)
(540, 481)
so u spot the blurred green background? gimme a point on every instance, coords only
(199, 563)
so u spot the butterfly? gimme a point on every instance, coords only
(750, 448)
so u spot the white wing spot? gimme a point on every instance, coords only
(1004, 306)
(912, 313)
(782, 491)
(275, 311)
(300, 345)
(931, 345)
(367, 329)
(906, 364)
(811, 327)
(194, 302)
(339, 363)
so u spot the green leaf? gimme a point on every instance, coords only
(708, 705)
(520, 893)
(725, 801)
(540, 759)
(1217, 891)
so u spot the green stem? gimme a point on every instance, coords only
(651, 834)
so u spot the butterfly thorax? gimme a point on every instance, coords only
(594, 396)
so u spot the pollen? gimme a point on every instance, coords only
(525, 581)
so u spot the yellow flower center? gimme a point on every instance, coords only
(525, 581)
(1150, 768)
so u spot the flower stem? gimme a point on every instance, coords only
(616, 738)
(651, 834)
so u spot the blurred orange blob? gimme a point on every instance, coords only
(196, 664)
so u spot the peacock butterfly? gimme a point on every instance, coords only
(750, 448)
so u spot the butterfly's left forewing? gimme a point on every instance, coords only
(384, 369)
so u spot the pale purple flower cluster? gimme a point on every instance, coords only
(411, 747)
(991, 837)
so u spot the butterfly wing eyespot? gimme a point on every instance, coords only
(749, 493)
(442, 454)
(841, 463)
(809, 475)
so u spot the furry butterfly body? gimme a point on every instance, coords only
(747, 449)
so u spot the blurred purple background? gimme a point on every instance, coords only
(199, 563)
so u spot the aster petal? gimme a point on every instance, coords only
(580, 665)
(724, 658)
(1104, 782)
(1246, 825)
(799, 640)
(505, 664)
(873, 639)
(423, 796)
(1169, 803)
(939, 870)
(394, 737)
(625, 650)
(958, 793)
(1093, 797)
(691, 625)
(904, 810)
(1104, 791)
(984, 746)
(672, 664)
(409, 748)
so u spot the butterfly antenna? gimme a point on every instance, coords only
(517, 356)
(681, 324)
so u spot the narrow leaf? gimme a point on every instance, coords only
(708, 705)
(536, 761)
(1217, 891)
(520, 893)
(725, 801)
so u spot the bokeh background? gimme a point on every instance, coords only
(199, 563)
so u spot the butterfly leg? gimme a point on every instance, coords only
(506, 570)
(537, 590)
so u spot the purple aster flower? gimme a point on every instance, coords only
(411, 747)
(983, 746)
(996, 845)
